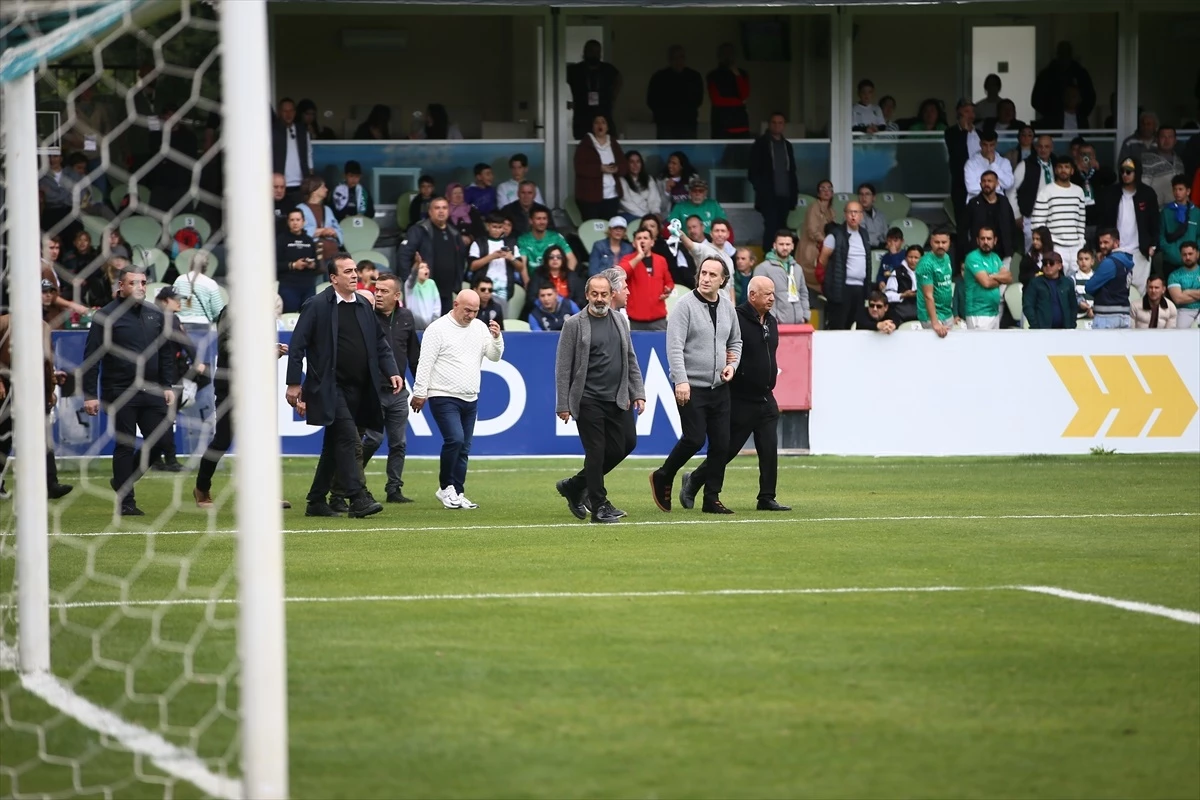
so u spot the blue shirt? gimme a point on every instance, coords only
(889, 264)
(602, 258)
(482, 197)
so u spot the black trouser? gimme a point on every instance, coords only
(145, 410)
(337, 489)
(774, 212)
(841, 315)
(605, 209)
(676, 130)
(6, 438)
(706, 416)
(608, 434)
(759, 417)
(165, 448)
(338, 449)
(222, 438)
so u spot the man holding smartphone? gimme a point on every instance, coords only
(296, 263)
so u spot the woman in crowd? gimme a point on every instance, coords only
(99, 284)
(1024, 148)
(930, 116)
(640, 194)
(82, 255)
(462, 214)
(1034, 260)
(200, 298)
(306, 110)
(816, 217)
(422, 297)
(599, 165)
(435, 124)
(117, 246)
(676, 176)
(376, 124)
(319, 219)
(554, 271)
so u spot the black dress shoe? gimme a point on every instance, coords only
(57, 490)
(687, 492)
(320, 509)
(574, 500)
(130, 510)
(364, 506)
(398, 497)
(605, 514)
(660, 490)
(771, 505)
(616, 511)
(715, 507)
(172, 466)
(339, 504)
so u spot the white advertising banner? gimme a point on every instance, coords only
(1005, 392)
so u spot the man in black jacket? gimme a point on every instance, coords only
(847, 259)
(291, 151)
(135, 391)
(349, 358)
(752, 397)
(988, 210)
(773, 176)
(436, 242)
(674, 96)
(1131, 207)
(401, 331)
(962, 142)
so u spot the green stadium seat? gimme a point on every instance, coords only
(142, 231)
(516, 324)
(359, 233)
(379, 259)
(96, 228)
(572, 209)
(839, 204)
(893, 205)
(915, 231)
(592, 231)
(194, 221)
(948, 208)
(153, 260)
(402, 203)
(121, 190)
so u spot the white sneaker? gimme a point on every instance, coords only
(448, 496)
(463, 502)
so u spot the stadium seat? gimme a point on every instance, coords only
(121, 190)
(1013, 294)
(1135, 297)
(183, 261)
(153, 260)
(893, 205)
(142, 231)
(948, 208)
(592, 231)
(915, 231)
(359, 233)
(676, 293)
(839, 203)
(402, 203)
(910, 326)
(193, 221)
(95, 226)
(516, 324)
(795, 219)
(876, 259)
(379, 259)
(288, 321)
(322, 286)
(152, 289)
(572, 209)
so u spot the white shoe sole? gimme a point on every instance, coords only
(445, 501)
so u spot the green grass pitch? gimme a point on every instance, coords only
(633, 679)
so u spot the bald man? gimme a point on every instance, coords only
(448, 376)
(847, 258)
(753, 408)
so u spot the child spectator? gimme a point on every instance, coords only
(481, 194)
(1032, 263)
(424, 298)
(497, 258)
(367, 274)
(892, 260)
(1180, 223)
(418, 207)
(351, 198)
(296, 263)
(1086, 262)
(901, 286)
(491, 307)
(550, 311)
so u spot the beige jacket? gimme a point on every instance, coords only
(1140, 315)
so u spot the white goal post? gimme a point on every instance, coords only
(261, 672)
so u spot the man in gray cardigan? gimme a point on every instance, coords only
(704, 347)
(599, 383)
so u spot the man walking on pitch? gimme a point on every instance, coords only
(348, 359)
(752, 395)
(598, 383)
(448, 376)
(704, 347)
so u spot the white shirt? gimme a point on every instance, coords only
(451, 358)
(864, 116)
(292, 174)
(856, 258)
(606, 157)
(977, 165)
(496, 270)
(1127, 224)
(892, 287)
(1069, 121)
(507, 193)
(972, 142)
(1019, 179)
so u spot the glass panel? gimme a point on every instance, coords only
(724, 163)
(446, 161)
(917, 163)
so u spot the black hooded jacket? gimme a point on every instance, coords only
(1145, 206)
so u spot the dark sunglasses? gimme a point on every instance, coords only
(876, 305)
(1127, 172)
(484, 290)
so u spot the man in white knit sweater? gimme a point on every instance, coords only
(1062, 207)
(452, 352)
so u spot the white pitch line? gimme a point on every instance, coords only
(1177, 614)
(646, 523)
(171, 759)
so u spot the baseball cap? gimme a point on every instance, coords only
(167, 293)
(48, 286)
(617, 222)
(698, 183)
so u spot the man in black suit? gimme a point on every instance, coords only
(291, 150)
(349, 356)
(962, 142)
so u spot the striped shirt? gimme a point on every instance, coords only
(199, 296)
(1062, 209)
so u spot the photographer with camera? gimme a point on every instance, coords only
(296, 263)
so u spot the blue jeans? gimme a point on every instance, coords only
(1110, 321)
(293, 296)
(456, 421)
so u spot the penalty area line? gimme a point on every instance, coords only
(176, 761)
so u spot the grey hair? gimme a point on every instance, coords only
(599, 277)
(199, 261)
(616, 277)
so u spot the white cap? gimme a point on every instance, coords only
(617, 222)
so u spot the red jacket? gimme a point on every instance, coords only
(646, 288)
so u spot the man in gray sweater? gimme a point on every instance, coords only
(704, 346)
(598, 382)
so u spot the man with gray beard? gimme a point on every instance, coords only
(599, 383)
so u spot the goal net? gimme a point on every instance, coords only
(141, 636)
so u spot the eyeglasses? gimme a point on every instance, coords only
(876, 305)
(1127, 172)
(482, 290)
